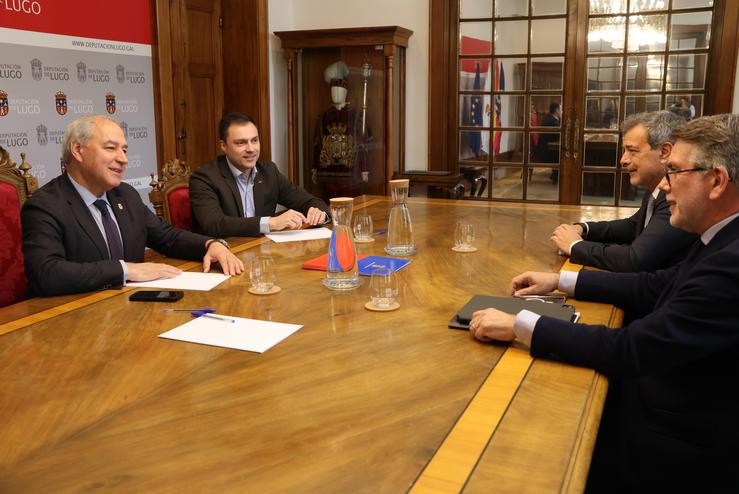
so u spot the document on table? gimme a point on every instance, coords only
(297, 235)
(184, 281)
(240, 333)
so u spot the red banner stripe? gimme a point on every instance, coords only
(128, 21)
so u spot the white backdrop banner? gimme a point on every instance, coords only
(63, 59)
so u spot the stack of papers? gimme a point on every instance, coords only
(184, 281)
(297, 235)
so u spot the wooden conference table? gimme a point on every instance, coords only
(355, 401)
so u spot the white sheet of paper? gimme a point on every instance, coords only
(251, 335)
(297, 235)
(184, 281)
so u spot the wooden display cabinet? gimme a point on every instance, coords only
(374, 64)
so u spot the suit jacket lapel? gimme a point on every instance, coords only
(83, 216)
(642, 213)
(231, 183)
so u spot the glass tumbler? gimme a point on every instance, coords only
(383, 288)
(262, 274)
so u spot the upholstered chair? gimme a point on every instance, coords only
(170, 194)
(16, 185)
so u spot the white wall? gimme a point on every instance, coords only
(289, 15)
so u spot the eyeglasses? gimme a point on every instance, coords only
(669, 172)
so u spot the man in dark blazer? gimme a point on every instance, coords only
(671, 420)
(237, 194)
(544, 151)
(71, 241)
(645, 241)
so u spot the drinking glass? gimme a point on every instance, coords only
(464, 235)
(363, 228)
(262, 273)
(383, 288)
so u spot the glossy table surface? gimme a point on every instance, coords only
(355, 401)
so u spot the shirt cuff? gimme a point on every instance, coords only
(264, 224)
(523, 328)
(567, 282)
(125, 270)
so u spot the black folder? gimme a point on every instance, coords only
(512, 305)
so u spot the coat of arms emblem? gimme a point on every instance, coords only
(61, 102)
(4, 106)
(110, 103)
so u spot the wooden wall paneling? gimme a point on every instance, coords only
(180, 86)
(292, 152)
(441, 85)
(164, 117)
(401, 110)
(573, 107)
(245, 35)
(723, 57)
(389, 121)
(204, 72)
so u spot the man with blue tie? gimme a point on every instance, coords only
(87, 229)
(670, 420)
(237, 193)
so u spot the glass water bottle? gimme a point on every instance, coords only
(399, 229)
(342, 273)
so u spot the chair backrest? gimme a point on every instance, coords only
(170, 194)
(16, 185)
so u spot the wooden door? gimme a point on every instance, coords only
(197, 78)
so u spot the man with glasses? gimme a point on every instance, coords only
(645, 241)
(671, 419)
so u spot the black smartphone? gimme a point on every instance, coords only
(156, 296)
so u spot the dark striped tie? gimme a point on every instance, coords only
(115, 247)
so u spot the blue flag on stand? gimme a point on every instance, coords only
(475, 138)
(499, 86)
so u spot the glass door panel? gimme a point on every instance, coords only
(641, 55)
(511, 63)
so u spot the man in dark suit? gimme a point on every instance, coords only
(237, 194)
(671, 421)
(552, 119)
(645, 241)
(71, 241)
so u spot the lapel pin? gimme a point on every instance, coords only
(120, 206)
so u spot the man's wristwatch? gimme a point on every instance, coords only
(584, 227)
(219, 240)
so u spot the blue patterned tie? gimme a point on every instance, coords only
(111, 232)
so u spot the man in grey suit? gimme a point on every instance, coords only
(87, 229)
(237, 194)
(670, 418)
(645, 241)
